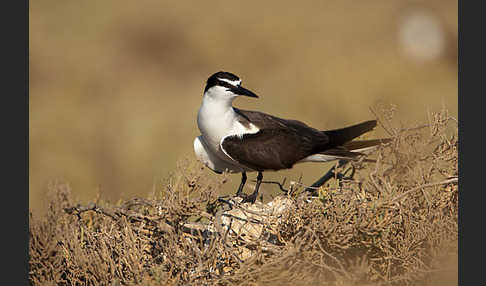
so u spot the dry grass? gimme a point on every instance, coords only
(392, 223)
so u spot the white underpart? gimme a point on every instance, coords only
(216, 120)
(319, 158)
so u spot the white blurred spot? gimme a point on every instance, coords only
(422, 36)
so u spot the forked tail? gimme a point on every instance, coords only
(338, 137)
(341, 146)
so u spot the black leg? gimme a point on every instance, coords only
(252, 198)
(239, 193)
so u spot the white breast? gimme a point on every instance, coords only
(216, 121)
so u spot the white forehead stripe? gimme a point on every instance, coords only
(232, 82)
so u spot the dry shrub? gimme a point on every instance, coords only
(393, 223)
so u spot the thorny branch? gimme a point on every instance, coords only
(403, 195)
(321, 181)
(162, 226)
(78, 209)
(280, 185)
(316, 243)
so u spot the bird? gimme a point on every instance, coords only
(239, 141)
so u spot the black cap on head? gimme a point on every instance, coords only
(230, 81)
(225, 75)
(215, 79)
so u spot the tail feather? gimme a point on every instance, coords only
(341, 146)
(341, 136)
(340, 153)
(362, 144)
(347, 151)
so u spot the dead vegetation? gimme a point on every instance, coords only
(394, 222)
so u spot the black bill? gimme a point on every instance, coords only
(243, 91)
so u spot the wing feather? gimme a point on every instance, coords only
(280, 143)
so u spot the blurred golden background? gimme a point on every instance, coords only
(115, 85)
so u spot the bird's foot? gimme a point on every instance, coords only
(249, 198)
(240, 194)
